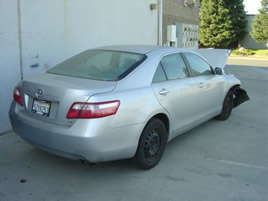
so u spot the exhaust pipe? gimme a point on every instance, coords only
(85, 162)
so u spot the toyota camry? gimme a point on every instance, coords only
(120, 102)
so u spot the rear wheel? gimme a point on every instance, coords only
(152, 144)
(227, 107)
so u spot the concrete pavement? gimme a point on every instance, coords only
(217, 161)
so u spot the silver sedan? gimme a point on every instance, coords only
(121, 102)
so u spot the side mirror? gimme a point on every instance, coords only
(218, 71)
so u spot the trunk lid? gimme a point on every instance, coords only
(217, 57)
(56, 94)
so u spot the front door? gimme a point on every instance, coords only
(210, 86)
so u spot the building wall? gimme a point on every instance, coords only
(53, 30)
(9, 58)
(175, 12)
(248, 41)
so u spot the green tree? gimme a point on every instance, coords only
(260, 24)
(238, 17)
(215, 24)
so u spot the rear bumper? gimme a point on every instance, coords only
(92, 140)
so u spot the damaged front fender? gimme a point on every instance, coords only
(240, 96)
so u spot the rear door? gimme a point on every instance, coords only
(176, 91)
(210, 86)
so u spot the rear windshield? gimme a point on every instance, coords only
(99, 65)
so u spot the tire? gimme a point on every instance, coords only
(151, 145)
(226, 107)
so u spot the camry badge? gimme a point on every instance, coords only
(39, 93)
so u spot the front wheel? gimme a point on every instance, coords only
(226, 107)
(152, 144)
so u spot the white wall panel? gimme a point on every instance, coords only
(107, 22)
(9, 58)
(42, 33)
(53, 30)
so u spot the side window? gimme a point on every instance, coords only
(159, 75)
(198, 65)
(174, 67)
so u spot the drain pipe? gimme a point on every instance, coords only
(19, 38)
(159, 22)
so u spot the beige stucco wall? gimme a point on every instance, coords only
(174, 12)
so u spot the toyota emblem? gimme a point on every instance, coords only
(39, 93)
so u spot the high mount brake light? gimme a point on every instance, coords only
(17, 95)
(92, 110)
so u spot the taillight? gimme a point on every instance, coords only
(17, 96)
(92, 110)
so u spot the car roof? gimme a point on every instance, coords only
(140, 49)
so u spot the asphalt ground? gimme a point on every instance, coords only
(217, 161)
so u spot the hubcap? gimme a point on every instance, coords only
(152, 144)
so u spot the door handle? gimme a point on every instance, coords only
(201, 84)
(163, 92)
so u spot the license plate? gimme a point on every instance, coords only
(41, 107)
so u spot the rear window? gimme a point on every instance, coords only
(99, 65)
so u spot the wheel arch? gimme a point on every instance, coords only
(232, 87)
(165, 119)
(240, 95)
(139, 157)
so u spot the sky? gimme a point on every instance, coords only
(252, 6)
